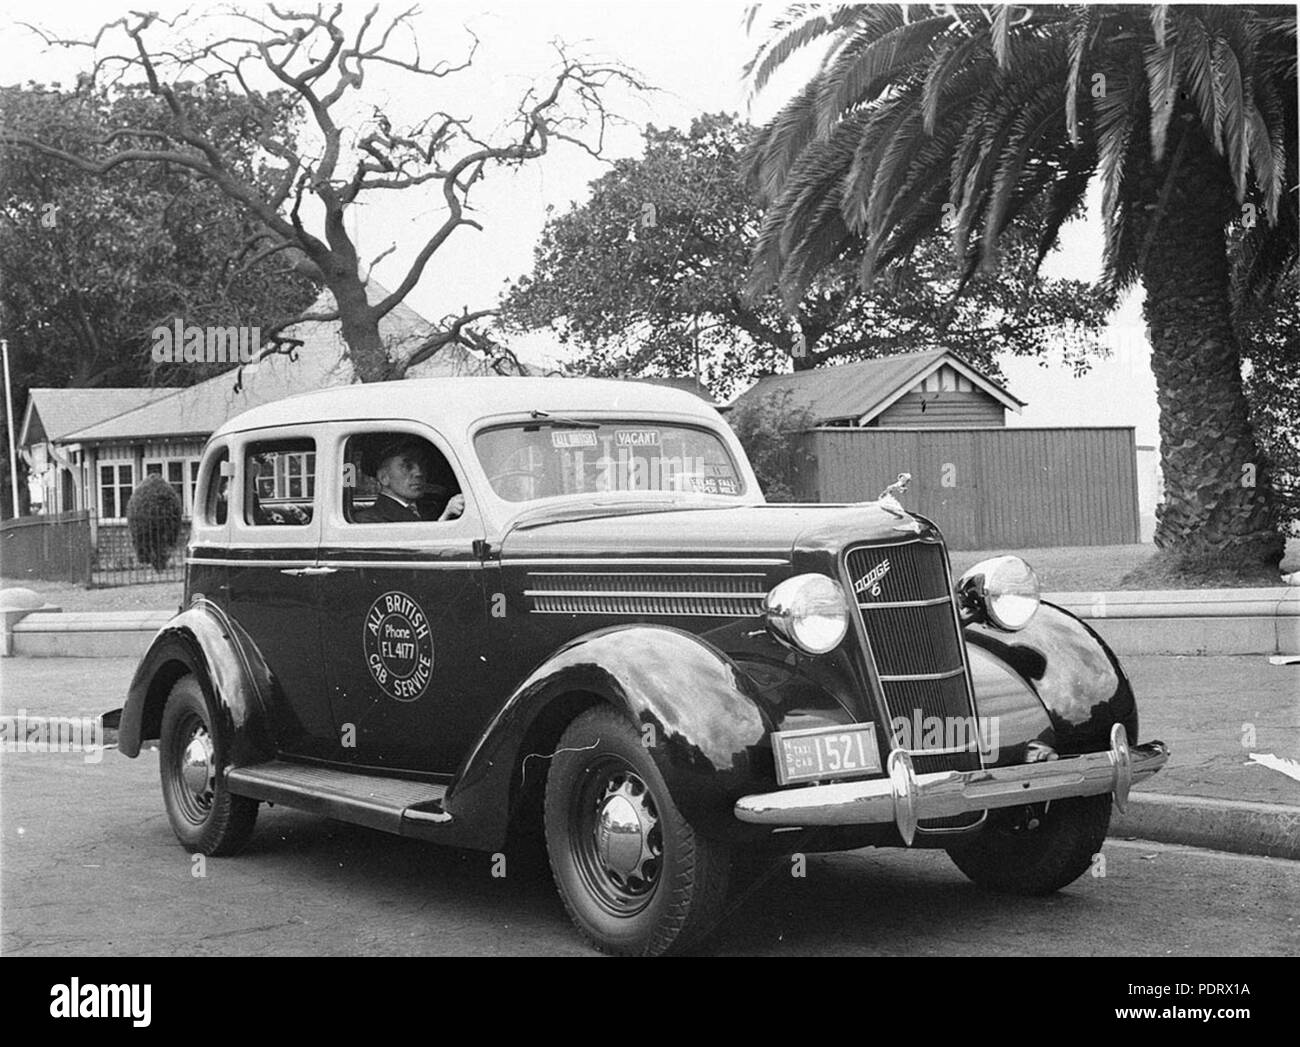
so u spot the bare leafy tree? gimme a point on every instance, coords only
(323, 67)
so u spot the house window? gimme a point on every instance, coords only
(116, 484)
(181, 473)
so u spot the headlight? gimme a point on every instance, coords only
(809, 611)
(1003, 589)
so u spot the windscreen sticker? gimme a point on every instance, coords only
(637, 437)
(399, 646)
(573, 438)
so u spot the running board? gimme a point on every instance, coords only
(395, 805)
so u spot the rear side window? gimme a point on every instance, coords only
(216, 498)
(280, 483)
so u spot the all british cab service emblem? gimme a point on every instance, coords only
(399, 647)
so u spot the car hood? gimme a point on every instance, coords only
(769, 531)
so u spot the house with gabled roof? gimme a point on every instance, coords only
(942, 421)
(935, 389)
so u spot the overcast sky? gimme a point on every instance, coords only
(692, 53)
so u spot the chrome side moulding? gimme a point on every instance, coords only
(906, 798)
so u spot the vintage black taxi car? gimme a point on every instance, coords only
(465, 609)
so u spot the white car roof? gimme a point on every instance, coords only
(453, 404)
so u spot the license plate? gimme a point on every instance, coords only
(826, 752)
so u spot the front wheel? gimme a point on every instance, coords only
(204, 815)
(635, 877)
(1036, 850)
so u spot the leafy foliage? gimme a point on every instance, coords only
(770, 430)
(1269, 327)
(153, 517)
(647, 277)
(92, 264)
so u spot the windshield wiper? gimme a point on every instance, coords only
(558, 421)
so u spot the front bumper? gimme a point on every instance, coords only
(906, 797)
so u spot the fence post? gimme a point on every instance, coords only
(87, 546)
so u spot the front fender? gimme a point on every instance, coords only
(203, 641)
(698, 712)
(1072, 672)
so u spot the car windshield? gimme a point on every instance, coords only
(552, 457)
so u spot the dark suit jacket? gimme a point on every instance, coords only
(389, 510)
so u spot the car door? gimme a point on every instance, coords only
(403, 623)
(272, 584)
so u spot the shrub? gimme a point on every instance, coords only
(154, 518)
(770, 429)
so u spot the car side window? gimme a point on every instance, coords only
(396, 477)
(216, 501)
(280, 483)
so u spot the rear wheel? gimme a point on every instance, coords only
(634, 875)
(1037, 850)
(204, 815)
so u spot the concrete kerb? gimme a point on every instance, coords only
(1240, 826)
(1192, 621)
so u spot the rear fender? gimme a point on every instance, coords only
(203, 641)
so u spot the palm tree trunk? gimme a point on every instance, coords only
(1217, 499)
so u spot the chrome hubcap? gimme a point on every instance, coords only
(626, 840)
(197, 765)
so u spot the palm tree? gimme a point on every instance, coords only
(962, 117)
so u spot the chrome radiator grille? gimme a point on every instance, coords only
(904, 598)
(700, 594)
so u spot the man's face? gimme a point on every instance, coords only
(402, 474)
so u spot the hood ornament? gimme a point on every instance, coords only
(889, 496)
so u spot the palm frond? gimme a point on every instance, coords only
(768, 160)
(1116, 116)
(1161, 64)
(1230, 113)
(878, 160)
(859, 74)
(956, 53)
(1080, 30)
(1065, 198)
(1159, 23)
(1000, 34)
(810, 22)
(1035, 121)
(1197, 68)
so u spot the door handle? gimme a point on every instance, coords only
(299, 571)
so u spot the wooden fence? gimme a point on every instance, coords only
(988, 488)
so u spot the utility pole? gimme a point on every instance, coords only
(9, 405)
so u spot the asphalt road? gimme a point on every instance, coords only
(89, 866)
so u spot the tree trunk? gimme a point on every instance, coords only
(360, 329)
(1217, 499)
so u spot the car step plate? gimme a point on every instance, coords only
(363, 799)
